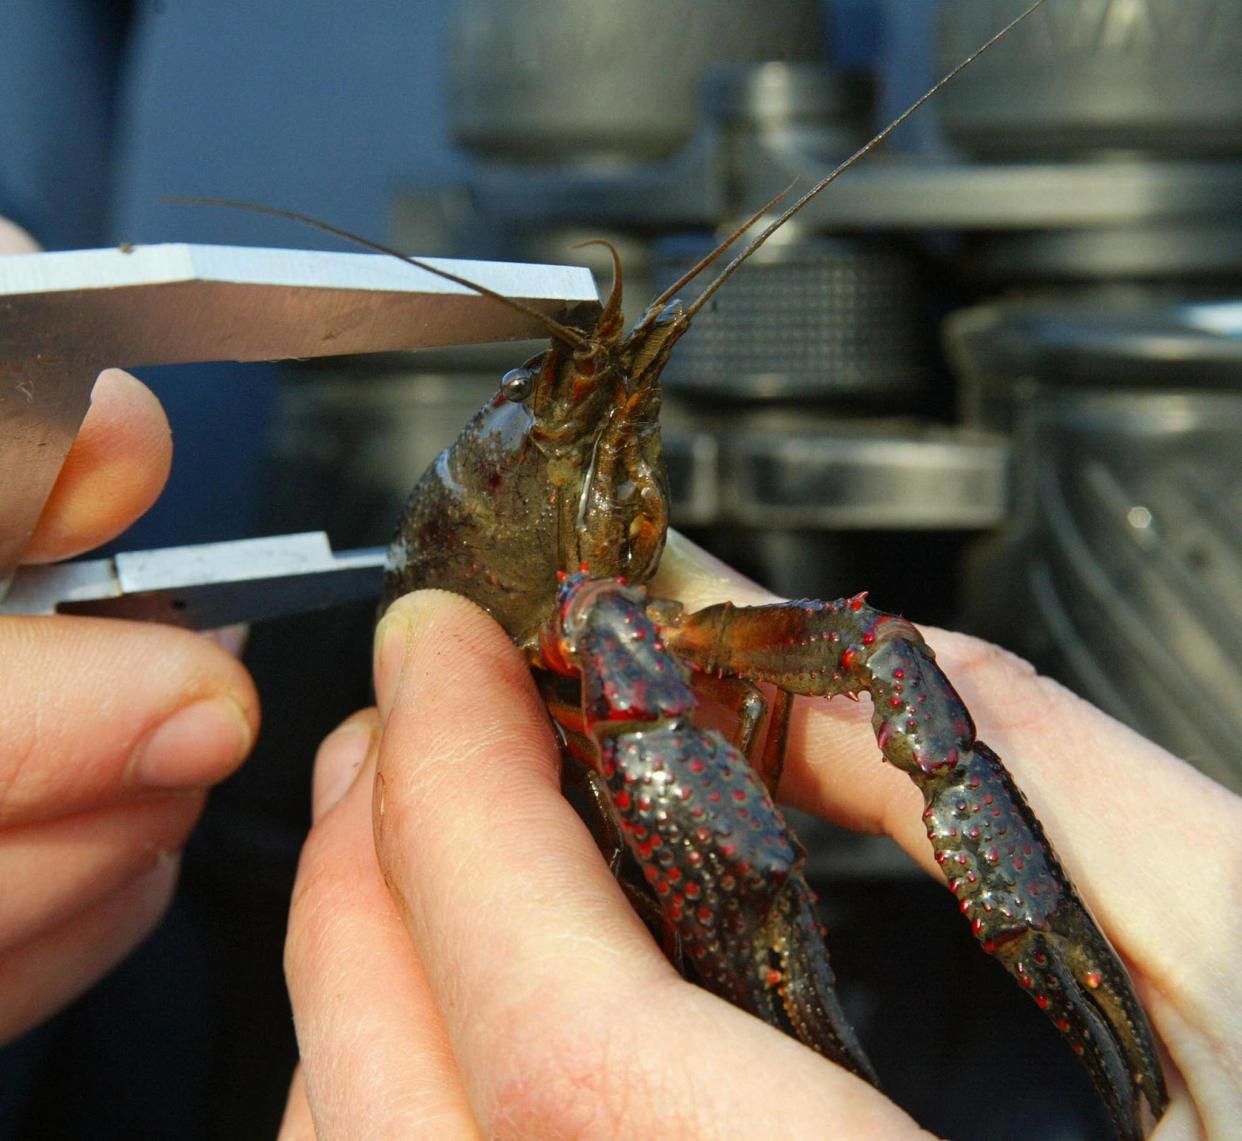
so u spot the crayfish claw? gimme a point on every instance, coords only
(732, 891)
(1075, 977)
(796, 983)
(995, 856)
(1024, 910)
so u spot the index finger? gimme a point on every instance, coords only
(15, 240)
(117, 465)
(115, 469)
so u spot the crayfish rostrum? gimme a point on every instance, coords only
(550, 512)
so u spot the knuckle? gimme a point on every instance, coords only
(550, 1083)
(555, 1078)
(980, 656)
(18, 743)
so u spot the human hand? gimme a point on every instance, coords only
(110, 732)
(484, 974)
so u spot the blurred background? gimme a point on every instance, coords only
(994, 376)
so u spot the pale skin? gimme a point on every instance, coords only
(99, 786)
(459, 959)
(462, 964)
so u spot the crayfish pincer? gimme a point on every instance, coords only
(551, 511)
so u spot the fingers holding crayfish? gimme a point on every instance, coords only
(559, 1012)
(1153, 845)
(375, 1058)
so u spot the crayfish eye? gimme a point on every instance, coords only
(516, 385)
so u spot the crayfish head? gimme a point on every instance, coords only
(595, 422)
(562, 467)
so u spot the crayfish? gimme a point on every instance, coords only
(551, 513)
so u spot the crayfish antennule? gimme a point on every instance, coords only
(611, 320)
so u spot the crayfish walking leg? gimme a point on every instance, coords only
(1009, 883)
(714, 849)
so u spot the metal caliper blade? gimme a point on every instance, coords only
(66, 316)
(206, 585)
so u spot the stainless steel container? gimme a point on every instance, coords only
(1095, 77)
(1120, 570)
(607, 82)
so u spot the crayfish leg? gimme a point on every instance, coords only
(1022, 906)
(762, 743)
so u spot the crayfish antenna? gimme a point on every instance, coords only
(561, 332)
(839, 170)
(656, 305)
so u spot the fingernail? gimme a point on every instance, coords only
(194, 747)
(392, 636)
(231, 639)
(342, 754)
